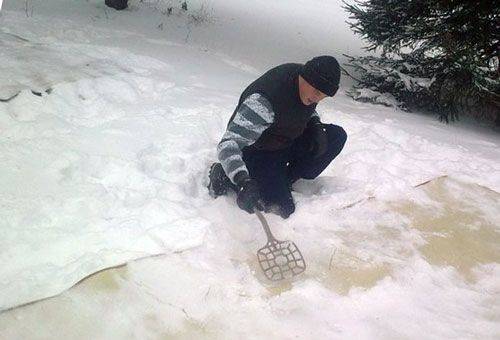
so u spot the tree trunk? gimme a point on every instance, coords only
(116, 4)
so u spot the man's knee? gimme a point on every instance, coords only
(336, 135)
(337, 132)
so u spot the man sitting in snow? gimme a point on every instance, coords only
(275, 136)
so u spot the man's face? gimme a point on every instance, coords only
(308, 94)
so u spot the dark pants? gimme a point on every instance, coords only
(276, 170)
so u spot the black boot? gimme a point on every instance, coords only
(291, 178)
(219, 183)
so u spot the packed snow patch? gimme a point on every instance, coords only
(376, 270)
(81, 165)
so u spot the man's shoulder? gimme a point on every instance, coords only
(276, 77)
(286, 67)
(272, 83)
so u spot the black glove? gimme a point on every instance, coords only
(284, 208)
(319, 137)
(248, 193)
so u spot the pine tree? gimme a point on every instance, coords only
(437, 55)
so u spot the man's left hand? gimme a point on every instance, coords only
(319, 138)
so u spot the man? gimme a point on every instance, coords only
(275, 136)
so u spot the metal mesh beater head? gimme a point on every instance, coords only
(280, 260)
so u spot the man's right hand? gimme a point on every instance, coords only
(248, 193)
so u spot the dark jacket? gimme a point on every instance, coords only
(280, 86)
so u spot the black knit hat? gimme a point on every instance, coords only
(323, 73)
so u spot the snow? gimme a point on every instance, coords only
(82, 160)
(375, 97)
(107, 165)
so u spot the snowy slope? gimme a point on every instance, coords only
(104, 153)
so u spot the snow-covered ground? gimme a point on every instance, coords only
(104, 153)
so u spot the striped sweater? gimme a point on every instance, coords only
(252, 118)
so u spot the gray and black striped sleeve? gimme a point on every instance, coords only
(253, 117)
